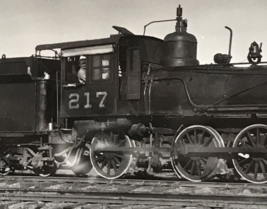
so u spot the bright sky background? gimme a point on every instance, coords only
(27, 23)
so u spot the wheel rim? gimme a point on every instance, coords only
(48, 169)
(41, 167)
(201, 168)
(4, 167)
(252, 167)
(110, 165)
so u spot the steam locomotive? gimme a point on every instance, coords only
(146, 105)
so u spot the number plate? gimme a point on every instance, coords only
(74, 99)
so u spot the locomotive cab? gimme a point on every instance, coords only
(114, 70)
(96, 95)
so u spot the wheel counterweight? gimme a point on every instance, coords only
(196, 168)
(252, 167)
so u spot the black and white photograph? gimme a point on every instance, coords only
(141, 104)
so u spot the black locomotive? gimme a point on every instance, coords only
(146, 103)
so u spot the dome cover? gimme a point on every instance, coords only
(180, 47)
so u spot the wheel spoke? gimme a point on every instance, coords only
(103, 163)
(202, 137)
(244, 161)
(203, 161)
(121, 143)
(189, 138)
(251, 139)
(100, 159)
(208, 141)
(119, 156)
(193, 167)
(116, 159)
(264, 161)
(187, 164)
(198, 164)
(258, 140)
(249, 167)
(256, 170)
(263, 169)
(108, 167)
(113, 163)
(195, 136)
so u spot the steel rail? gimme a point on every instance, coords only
(133, 191)
(135, 198)
(127, 181)
(133, 186)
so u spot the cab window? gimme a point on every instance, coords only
(101, 67)
(75, 69)
(72, 67)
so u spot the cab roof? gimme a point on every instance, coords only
(77, 44)
(113, 39)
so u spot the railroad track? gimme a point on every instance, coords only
(101, 193)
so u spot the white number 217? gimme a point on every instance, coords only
(74, 100)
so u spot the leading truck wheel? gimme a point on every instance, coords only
(252, 167)
(48, 169)
(196, 168)
(5, 168)
(110, 165)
